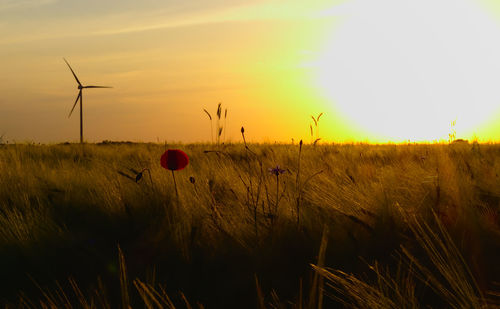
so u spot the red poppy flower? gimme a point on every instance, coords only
(174, 159)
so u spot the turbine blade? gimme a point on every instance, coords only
(72, 72)
(97, 87)
(76, 101)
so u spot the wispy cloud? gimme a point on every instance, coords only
(144, 18)
(177, 22)
(23, 4)
(264, 10)
(46, 26)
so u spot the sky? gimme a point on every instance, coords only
(385, 70)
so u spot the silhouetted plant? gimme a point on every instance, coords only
(136, 175)
(139, 175)
(276, 171)
(316, 129)
(211, 124)
(297, 183)
(219, 127)
(300, 186)
(225, 123)
(253, 197)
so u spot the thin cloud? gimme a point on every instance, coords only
(184, 22)
(23, 4)
(99, 25)
(150, 20)
(271, 10)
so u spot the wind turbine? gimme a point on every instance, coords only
(80, 96)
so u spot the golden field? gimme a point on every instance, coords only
(344, 225)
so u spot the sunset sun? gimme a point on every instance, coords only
(405, 69)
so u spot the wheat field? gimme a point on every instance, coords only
(252, 226)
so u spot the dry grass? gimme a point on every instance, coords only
(408, 226)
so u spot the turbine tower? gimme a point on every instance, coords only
(80, 96)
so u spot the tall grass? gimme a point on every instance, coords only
(77, 230)
(446, 273)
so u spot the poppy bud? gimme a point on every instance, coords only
(138, 177)
(242, 130)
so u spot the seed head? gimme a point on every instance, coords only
(219, 110)
(209, 116)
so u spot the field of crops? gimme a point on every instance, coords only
(250, 226)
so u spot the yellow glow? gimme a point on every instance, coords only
(405, 69)
(379, 70)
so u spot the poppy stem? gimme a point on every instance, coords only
(150, 178)
(297, 185)
(175, 185)
(277, 194)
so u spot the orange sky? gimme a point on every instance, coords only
(168, 61)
